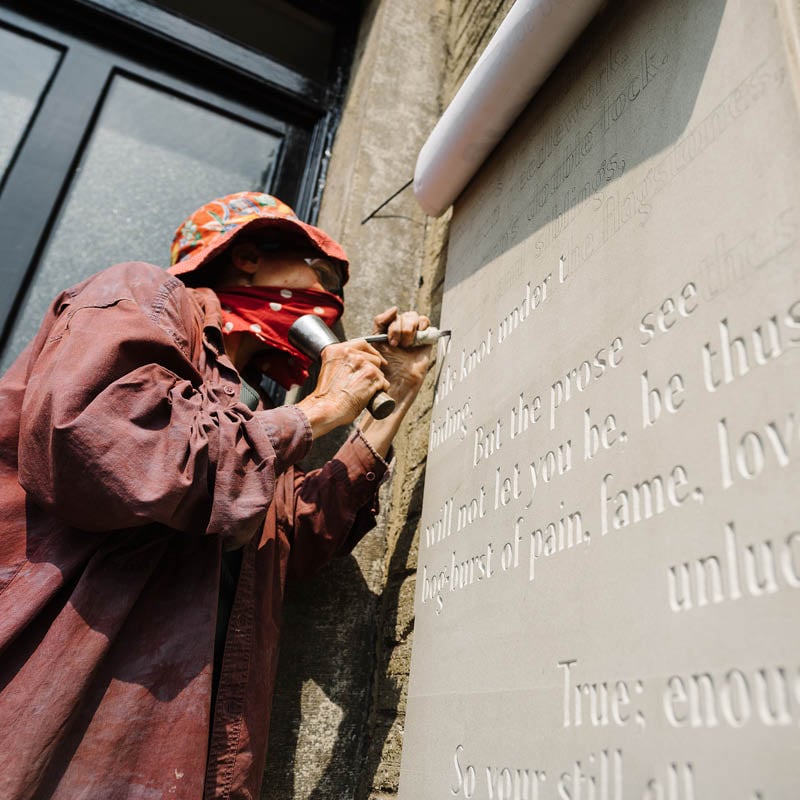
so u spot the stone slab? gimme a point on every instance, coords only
(610, 549)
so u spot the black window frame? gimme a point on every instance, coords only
(155, 47)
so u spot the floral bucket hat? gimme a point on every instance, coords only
(214, 226)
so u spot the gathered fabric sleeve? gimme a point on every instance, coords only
(335, 506)
(120, 429)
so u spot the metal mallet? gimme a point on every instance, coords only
(311, 335)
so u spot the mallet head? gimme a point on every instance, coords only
(311, 335)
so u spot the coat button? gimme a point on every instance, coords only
(370, 476)
(228, 390)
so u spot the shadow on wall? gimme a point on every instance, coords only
(624, 93)
(388, 689)
(334, 649)
(343, 672)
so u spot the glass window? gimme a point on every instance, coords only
(25, 68)
(152, 159)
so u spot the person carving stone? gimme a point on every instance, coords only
(151, 513)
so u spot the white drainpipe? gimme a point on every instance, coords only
(529, 43)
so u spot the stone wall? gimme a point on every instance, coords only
(339, 708)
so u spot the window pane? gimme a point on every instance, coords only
(25, 68)
(152, 159)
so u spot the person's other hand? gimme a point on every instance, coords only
(406, 365)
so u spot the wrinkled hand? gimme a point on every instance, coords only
(350, 374)
(406, 365)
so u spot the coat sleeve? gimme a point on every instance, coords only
(335, 506)
(119, 428)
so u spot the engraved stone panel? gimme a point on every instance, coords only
(609, 559)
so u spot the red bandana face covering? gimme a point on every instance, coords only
(268, 312)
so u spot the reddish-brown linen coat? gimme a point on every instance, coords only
(127, 464)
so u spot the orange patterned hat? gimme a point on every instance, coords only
(213, 227)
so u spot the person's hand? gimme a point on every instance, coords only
(406, 365)
(350, 374)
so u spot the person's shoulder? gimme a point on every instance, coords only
(159, 300)
(147, 285)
